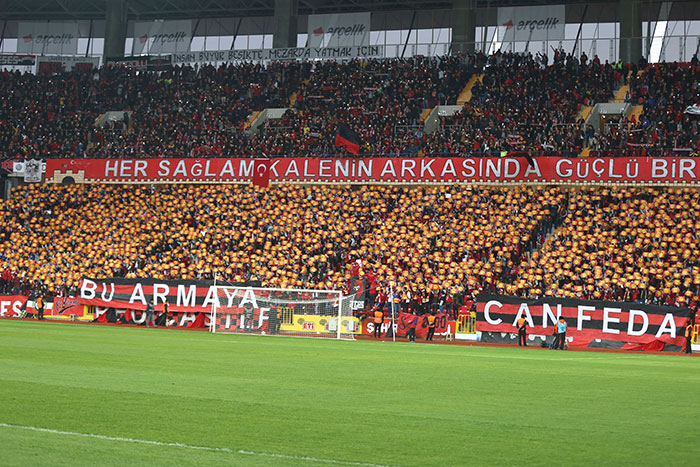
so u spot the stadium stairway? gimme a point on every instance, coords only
(425, 114)
(254, 116)
(466, 94)
(585, 113)
(636, 112)
(293, 96)
(621, 93)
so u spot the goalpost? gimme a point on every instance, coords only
(286, 312)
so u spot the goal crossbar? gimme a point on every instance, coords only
(302, 312)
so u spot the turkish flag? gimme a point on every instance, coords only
(261, 172)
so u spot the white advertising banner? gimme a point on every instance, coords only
(47, 38)
(291, 53)
(162, 37)
(532, 23)
(337, 30)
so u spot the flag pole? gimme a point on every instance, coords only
(391, 309)
(212, 321)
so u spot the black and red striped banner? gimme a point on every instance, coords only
(587, 320)
(135, 294)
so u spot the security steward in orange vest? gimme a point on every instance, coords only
(522, 332)
(378, 320)
(432, 321)
(689, 337)
(40, 307)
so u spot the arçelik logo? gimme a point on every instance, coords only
(60, 39)
(178, 36)
(532, 24)
(353, 30)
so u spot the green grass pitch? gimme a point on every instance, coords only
(73, 394)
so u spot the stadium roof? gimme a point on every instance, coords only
(174, 9)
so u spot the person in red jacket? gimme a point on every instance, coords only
(382, 299)
(412, 329)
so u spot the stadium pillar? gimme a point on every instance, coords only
(630, 31)
(463, 25)
(115, 28)
(285, 32)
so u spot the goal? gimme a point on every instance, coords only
(287, 312)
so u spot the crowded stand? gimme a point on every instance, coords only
(382, 100)
(620, 244)
(664, 91)
(431, 240)
(197, 113)
(429, 245)
(522, 103)
(180, 112)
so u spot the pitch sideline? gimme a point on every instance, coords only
(189, 446)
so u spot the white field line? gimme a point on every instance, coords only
(189, 446)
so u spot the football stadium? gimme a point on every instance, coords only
(354, 233)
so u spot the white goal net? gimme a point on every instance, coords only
(288, 312)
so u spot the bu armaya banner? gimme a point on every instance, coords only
(589, 323)
(373, 170)
(135, 294)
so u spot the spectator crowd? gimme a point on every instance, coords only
(520, 103)
(663, 91)
(426, 244)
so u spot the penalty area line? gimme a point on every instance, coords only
(190, 446)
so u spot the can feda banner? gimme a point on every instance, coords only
(589, 322)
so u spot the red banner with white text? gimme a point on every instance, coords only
(390, 170)
(11, 306)
(134, 294)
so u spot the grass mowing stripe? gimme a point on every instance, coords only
(189, 446)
